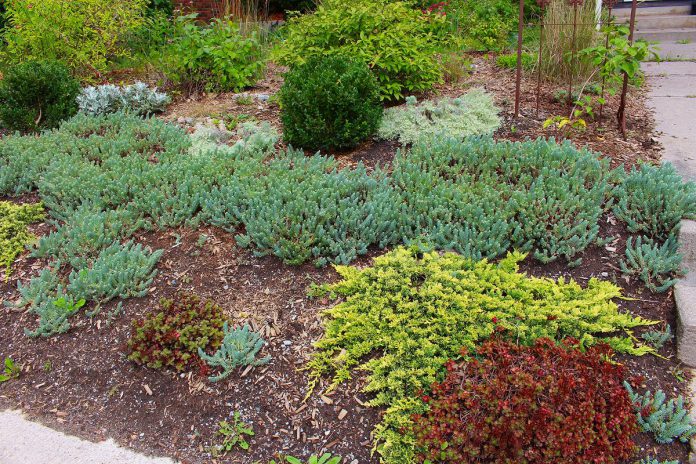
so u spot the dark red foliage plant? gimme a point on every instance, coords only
(171, 337)
(539, 404)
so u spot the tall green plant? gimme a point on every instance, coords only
(83, 33)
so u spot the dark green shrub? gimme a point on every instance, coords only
(399, 43)
(173, 336)
(329, 102)
(37, 95)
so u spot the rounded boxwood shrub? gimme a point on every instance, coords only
(37, 95)
(329, 102)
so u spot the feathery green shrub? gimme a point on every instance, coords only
(398, 42)
(473, 113)
(37, 95)
(329, 102)
(656, 265)
(14, 236)
(666, 420)
(239, 347)
(403, 318)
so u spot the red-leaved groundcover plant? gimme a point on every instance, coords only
(539, 404)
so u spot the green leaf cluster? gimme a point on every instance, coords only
(329, 102)
(403, 318)
(667, 420)
(10, 370)
(326, 458)
(239, 347)
(14, 236)
(657, 338)
(473, 113)
(650, 460)
(398, 42)
(655, 264)
(234, 434)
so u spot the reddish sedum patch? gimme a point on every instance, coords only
(529, 405)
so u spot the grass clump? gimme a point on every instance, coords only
(473, 113)
(437, 304)
(14, 236)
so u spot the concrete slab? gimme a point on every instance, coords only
(26, 442)
(670, 50)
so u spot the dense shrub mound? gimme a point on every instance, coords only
(329, 102)
(529, 405)
(399, 43)
(37, 95)
(403, 318)
(172, 337)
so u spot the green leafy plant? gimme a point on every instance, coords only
(666, 420)
(234, 434)
(84, 34)
(239, 347)
(510, 403)
(14, 236)
(657, 338)
(653, 200)
(329, 102)
(509, 61)
(326, 458)
(398, 43)
(656, 265)
(216, 57)
(171, 337)
(10, 370)
(403, 318)
(37, 95)
(54, 315)
(480, 24)
(650, 460)
(473, 113)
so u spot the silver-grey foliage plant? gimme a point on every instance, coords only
(473, 113)
(239, 348)
(137, 99)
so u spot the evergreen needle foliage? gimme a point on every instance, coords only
(14, 236)
(653, 200)
(657, 338)
(666, 420)
(403, 318)
(473, 113)
(239, 347)
(655, 264)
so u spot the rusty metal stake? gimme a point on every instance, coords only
(604, 62)
(572, 56)
(518, 80)
(541, 47)
(621, 114)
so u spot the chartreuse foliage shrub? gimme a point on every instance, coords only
(399, 43)
(37, 95)
(14, 235)
(329, 102)
(172, 337)
(474, 113)
(538, 404)
(403, 318)
(666, 420)
(85, 34)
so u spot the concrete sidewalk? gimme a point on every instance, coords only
(26, 442)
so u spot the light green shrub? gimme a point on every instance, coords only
(85, 34)
(14, 235)
(397, 42)
(473, 113)
(403, 318)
